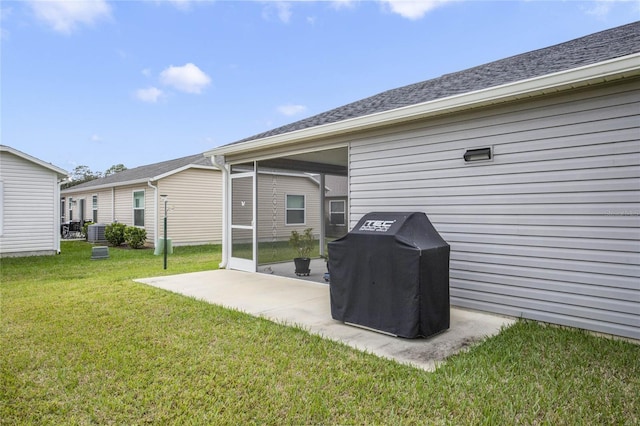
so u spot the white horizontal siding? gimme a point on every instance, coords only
(550, 228)
(30, 221)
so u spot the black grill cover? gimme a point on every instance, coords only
(391, 273)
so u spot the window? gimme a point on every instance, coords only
(70, 209)
(138, 208)
(62, 210)
(337, 212)
(94, 205)
(295, 214)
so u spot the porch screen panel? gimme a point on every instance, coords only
(242, 243)
(242, 201)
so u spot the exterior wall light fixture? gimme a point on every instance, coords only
(478, 154)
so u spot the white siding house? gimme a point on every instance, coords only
(29, 204)
(529, 167)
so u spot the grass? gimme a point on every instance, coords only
(81, 343)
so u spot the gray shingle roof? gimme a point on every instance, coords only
(591, 49)
(144, 172)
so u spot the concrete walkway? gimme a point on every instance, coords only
(306, 304)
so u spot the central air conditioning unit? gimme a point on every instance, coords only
(95, 233)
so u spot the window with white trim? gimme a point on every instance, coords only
(70, 209)
(138, 208)
(94, 206)
(295, 210)
(337, 212)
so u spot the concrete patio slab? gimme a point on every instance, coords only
(306, 304)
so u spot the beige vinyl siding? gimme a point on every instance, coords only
(124, 203)
(548, 230)
(105, 203)
(272, 192)
(124, 207)
(194, 194)
(29, 222)
(195, 202)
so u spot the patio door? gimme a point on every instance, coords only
(243, 250)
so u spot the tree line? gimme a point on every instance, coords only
(82, 174)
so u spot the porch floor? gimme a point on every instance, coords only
(293, 301)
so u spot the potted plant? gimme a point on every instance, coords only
(303, 243)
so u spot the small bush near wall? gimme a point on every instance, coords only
(135, 237)
(114, 234)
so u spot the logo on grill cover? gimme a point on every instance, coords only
(377, 225)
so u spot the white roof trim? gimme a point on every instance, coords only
(613, 69)
(181, 169)
(35, 160)
(73, 189)
(137, 181)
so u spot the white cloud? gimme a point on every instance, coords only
(291, 109)
(415, 9)
(5, 12)
(65, 16)
(151, 94)
(95, 138)
(601, 8)
(187, 78)
(282, 10)
(342, 4)
(182, 5)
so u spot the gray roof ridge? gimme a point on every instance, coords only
(144, 172)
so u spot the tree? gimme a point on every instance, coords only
(80, 175)
(115, 169)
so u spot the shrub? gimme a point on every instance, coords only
(303, 243)
(114, 234)
(135, 237)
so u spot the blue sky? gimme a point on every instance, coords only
(99, 83)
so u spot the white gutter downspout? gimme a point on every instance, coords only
(218, 161)
(58, 214)
(155, 213)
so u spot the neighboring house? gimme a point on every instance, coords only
(287, 202)
(336, 206)
(29, 207)
(528, 167)
(134, 197)
(193, 188)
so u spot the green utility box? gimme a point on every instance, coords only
(99, 252)
(160, 247)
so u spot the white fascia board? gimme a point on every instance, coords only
(72, 189)
(137, 181)
(61, 173)
(181, 169)
(623, 67)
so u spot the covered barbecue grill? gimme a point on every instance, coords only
(391, 274)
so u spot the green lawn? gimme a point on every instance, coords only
(81, 343)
